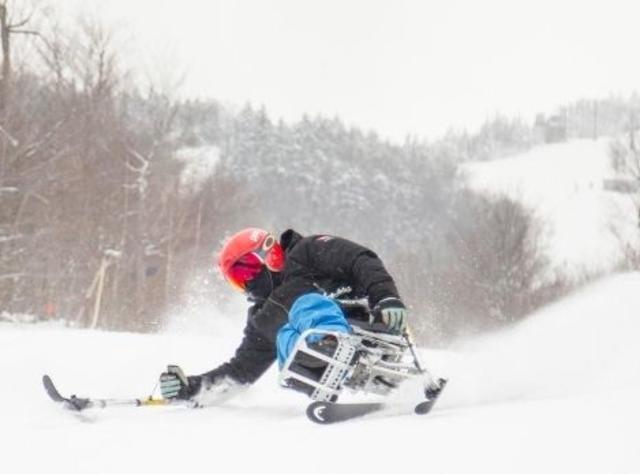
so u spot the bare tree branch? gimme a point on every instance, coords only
(23, 22)
(14, 142)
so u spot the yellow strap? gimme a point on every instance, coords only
(154, 401)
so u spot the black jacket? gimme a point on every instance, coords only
(318, 263)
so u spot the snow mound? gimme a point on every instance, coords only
(586, 343)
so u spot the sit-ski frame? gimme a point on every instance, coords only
(359, 357)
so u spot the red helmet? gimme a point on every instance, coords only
(244, 254)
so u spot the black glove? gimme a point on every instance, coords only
(392, 313)
(175, 385)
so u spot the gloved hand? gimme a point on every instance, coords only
(393, 313)
(175, 385)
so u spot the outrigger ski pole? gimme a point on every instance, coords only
(432, 386)
(78, 404)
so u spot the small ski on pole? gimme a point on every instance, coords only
(432, 386)
(431, 395)
(79, 404)
(72, 403)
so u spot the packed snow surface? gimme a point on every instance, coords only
(557, 393)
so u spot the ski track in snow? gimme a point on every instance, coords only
(556, 393)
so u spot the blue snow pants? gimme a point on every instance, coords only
(310, 311)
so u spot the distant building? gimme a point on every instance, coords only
(552, 129)
(556, 129)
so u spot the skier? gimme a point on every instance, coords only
(288, 281)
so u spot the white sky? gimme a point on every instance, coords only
(397, 66)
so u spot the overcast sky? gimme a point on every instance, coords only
(397, 66)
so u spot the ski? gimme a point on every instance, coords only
(431, 395)
(78, 404)
(327, 412)
(72, 403)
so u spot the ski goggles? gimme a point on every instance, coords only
(244, 270)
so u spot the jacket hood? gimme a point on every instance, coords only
(289, 239)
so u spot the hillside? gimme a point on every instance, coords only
(584, 224)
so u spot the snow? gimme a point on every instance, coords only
(584, 224)
(557, 393)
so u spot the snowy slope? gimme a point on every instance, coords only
(557, 393)
(584, 224)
